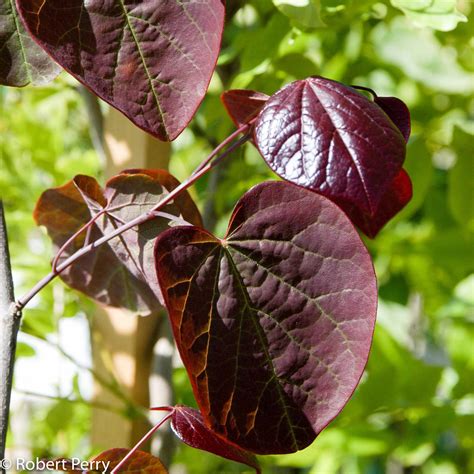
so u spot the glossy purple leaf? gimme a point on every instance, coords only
(327, 137)
(396, 198)
(274, 322)
(150, 59)
(188, 425)
(398, 112)
(395, 108)
(22, 61)
(243, 105)
(106, 274)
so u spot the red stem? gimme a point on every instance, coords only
(145, 438)
(210, 162)
(72, 238)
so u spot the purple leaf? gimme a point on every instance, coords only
(327, 137)
(151, 59)
(115, 273)
(243, 105)
(22, 61)
(398, 112)
(274, 322)
(396, 198)
(188, 425)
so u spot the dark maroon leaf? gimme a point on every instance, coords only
(397, 197)
(22, 61)
(395, 108)
(398, 112)
(274, 322)
(152, 59)
(189, 427)
(327, 137)
(115, 273)
(243, 105)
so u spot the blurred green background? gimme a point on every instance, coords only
(414, 409)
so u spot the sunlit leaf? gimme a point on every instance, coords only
(329, 138)
(424, 57)
(274, 321)
(151, 60)
(22, 61)
(395, 199)
(304, 13)
(118, 272)
(440, 15)
(243, 105)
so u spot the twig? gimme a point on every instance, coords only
(210, 162)
(145, 438)
(10, 324)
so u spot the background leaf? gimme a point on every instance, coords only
(116, 273)
(151, 60)
(440, 15)
(461, 180)
(304, 13)
(274, 345)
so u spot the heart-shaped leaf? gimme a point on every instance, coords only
(243, 105)
(152, 59)
(22, 61)
(327, 137)
(397, 197)
(274, 322)
(116, 273)
(188, 425)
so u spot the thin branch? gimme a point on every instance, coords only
(10, 324)
(143, 440)
(209, 163)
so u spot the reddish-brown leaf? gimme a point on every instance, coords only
(398, 112)
(397, 197)
(188, 425)
(243, 105)
(152, 60)
(273, 323)
(118, 272)
(327, 137)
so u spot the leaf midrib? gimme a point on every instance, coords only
(29, 74)
(258, 330)
(145, 67)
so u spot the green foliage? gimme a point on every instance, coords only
(441, 15)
